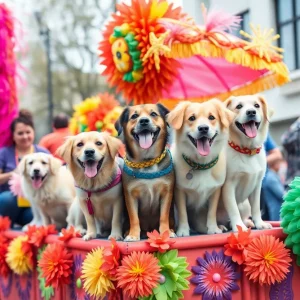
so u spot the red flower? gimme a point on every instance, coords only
(37, 235)
(56, 265)
(236, 247)
(4, 223)
(68, 234)
(111, 257)
(4, 268)
(28, 250)
(160, 241)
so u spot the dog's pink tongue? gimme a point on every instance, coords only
(37, 183)
(203, 147)
(250, 129)
(90, 170)
(145, 140)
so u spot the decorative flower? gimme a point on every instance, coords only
(237, 245)
(215, 276)
(20, 262)
(138, 275)
(96, 282)
(77, 291)
(267, 260)
(111, 257)
(24, 285)
(4, 268)
(68, 234)
(15, 184)
(37, 235)
(172, 279)
(4, 223)
(6, 284)
(56, 265)
(161, 242)
(46, 292)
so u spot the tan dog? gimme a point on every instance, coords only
(49, 187)
(148, 200)
(201, 133)
(246, 159)
(91, 158)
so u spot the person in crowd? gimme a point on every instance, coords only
(54, 140)
(22, 129)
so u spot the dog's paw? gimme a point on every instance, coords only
(131, 238)
(262, 225)
(214, 230)
(172, 234)
(116, 236)
(89, 236)
(248, 223)
(183, 231)
(235, 229)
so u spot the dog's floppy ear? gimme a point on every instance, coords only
(65, 150)
(113, 144)
(54, 164)
(228, 101)
(176, 116)
(124, 117)
(226, 116)
(22, 165)
(268, 113)
(162, 110)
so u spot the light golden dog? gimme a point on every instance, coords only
(201, 133)
(49, 187)
(91, 158)
(246, 159)
(148, 175)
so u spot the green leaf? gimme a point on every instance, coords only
(296, 249)
(288, 241)
(293, 226)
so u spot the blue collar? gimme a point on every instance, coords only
(144, 175)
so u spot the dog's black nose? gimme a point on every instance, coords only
(144, 121)
(203, 128)
(36, 171)
(251, 112)
(89, 152)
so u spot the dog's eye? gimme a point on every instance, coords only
(211, 117)
(98, 143)
(134, 116)
(44, 163)
(239, 106)
(192, 118)
(256, 105)
(80, 144)
(30, 163)
(153, 114)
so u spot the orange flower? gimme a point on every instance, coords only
(4, 268)
(138, 275)
(237, 245)
(160, 241)
(267, 260)
(37, 235)
(56, 265)
(111, 258)
(4, 223)
(68, 234)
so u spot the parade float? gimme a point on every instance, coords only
(154, 52)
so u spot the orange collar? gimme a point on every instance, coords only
(246, 151)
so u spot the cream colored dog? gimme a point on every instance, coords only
(91, 158)
(246, 160)
(49, 187)
(201, 133)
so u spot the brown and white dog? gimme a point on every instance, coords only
(246, 159)
(143, 129)
(91, 158)
(201, 134)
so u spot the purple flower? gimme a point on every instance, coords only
(215, 276)
(23, 285)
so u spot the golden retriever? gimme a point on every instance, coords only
(246, 160)
(48, 186)
(201, 133)
(91, 158)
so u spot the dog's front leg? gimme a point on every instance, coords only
(230, 203)
(45, 218)
(180, 202)
(90, 222)
(254, 200)
(211, 223)
(116, 224)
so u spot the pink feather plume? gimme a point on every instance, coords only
(15, 185)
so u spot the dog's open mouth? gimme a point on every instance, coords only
(146, 138)
(203, 144)
(249, 129)
(37, 181)
(91, 167)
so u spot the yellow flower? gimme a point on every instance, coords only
(17, 260)
(96, 282)
(87, 105)
(121, 57)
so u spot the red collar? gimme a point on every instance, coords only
(246, 151)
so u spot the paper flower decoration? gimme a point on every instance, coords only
(267, 260)
(161, 242)
(56, 265)
(4, 223)
(24, 285)
(37, 235)
(20, 262)
(77, 291)
(215, 276)
(98, 113)
(96, 282)
(237, 244)
(6, 284)
(4, 268)
(111, 259)
(290, 215)
(68, 234)
(172, 279)
(15, 184)
(138, 275)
